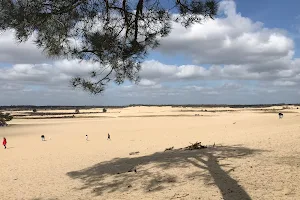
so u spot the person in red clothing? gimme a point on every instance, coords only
(4, 142)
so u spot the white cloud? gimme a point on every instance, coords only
(146, 82)
(236, 49)
(231, 86)
(285, 83)
(49, 81)
(14, 52)
(56, 73)
(156, 71)
(230, 40)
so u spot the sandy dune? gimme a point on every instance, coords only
(257, 155)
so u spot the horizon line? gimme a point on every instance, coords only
(133, 105)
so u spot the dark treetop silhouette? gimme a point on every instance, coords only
(115, 33)
(4, 118)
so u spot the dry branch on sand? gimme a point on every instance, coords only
(134, 153)
(196, 145)
(178, 196)
(169, 149)
(132, 169)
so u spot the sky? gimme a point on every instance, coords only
(250, 54)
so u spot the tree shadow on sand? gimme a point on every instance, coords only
(159, 171)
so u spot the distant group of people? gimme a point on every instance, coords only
(87, 137)
(4, 142)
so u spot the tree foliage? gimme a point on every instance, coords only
(117, 34)
(4, 117)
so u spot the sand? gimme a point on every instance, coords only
(257, 155)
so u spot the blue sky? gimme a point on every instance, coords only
(274, 14)
(248, 55)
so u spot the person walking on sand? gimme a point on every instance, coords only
(108, 136)
(86, 137)
(4, 142)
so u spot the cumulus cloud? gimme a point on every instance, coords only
(158, 81)
(55, 73)
(14, 52)
(146, 82)
(233, 39)
(284, 83)
(154, 70)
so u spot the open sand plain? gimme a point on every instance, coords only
(257, 155)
